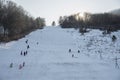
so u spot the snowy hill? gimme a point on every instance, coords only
(48, 57)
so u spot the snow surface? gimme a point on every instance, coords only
(50, 59)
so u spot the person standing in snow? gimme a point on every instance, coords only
(23, 64)
(26, 41)
(20, 66)
(24, 53)
(28, 47)
(37, 43)
(21, 53)
(78, 51)
(11, 65)
(72, 55)
(69, 50)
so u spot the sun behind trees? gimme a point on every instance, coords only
(102, 21)
(15, 22)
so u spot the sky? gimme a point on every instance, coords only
(52, 9)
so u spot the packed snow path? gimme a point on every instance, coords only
(48, 58)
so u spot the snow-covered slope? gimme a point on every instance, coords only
(48, 57)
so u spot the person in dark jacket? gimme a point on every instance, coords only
(69, 50)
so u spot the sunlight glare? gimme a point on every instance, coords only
(81, 14)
